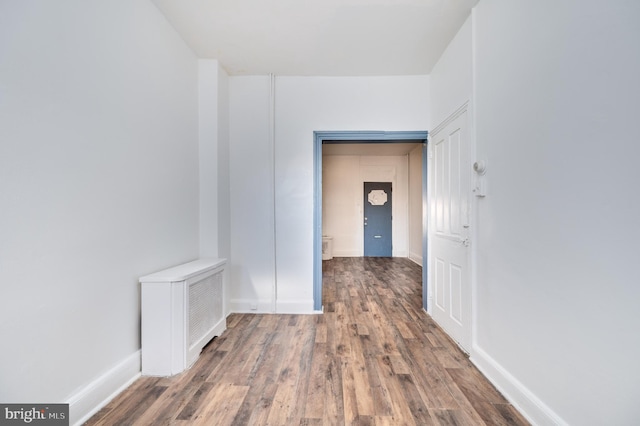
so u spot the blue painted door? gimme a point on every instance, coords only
(377, 219)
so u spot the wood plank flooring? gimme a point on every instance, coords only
(373, 358)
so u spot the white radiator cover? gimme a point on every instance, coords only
(182, 310)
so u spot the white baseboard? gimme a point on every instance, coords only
(351, 253)
(529, 405)
(90, 399)
(347, 253)
(250, 306)
(415, 258)
(295, 307)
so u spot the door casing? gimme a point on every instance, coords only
(321, 137)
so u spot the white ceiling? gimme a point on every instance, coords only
(318, 37)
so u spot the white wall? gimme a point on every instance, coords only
(98, 186)
(213, 137)
(452, 77)
(557, 289)
(302, 105)
(213, 156)
(223, 165)
(343, 177)
(305, 104)
(415, 205)
(252, 225)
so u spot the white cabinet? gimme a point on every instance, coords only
(182, 310)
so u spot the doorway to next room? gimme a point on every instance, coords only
(353, 218)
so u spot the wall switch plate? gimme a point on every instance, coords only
(480, 189)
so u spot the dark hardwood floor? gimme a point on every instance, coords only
(373, 358)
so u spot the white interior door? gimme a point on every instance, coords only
(450, 181)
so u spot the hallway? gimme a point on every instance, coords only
(373, 358)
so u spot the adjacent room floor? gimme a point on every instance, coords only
(373, 358)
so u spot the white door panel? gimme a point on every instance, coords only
(439, 188)
(455, 285)
(449, 229)
(439, 280)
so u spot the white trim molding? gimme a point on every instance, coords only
(251, 306)
(90, 399)
(461, 110)
(295, 307)
(255, 306)
(525, 401)
(415, 258)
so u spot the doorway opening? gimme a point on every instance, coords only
(344, 139)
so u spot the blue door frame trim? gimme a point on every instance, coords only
(328, 137)
(425, 223)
